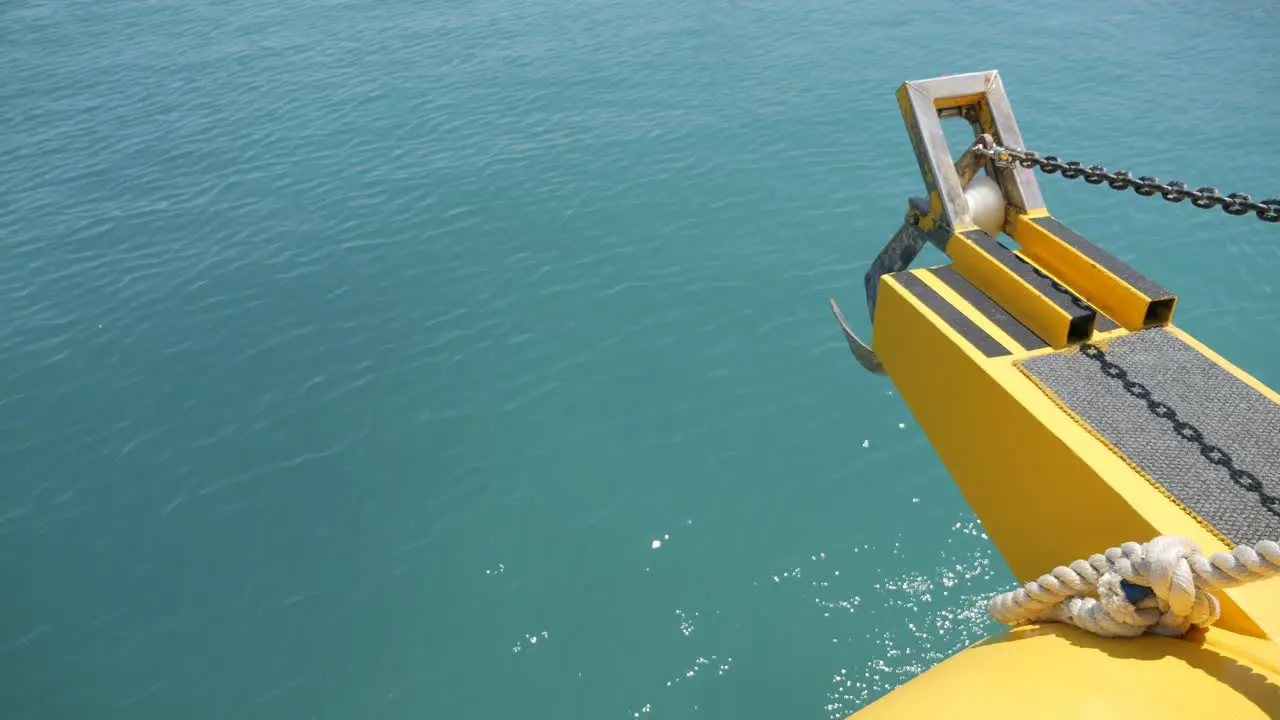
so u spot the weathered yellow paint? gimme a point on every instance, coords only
(947, 103)
(985, 121)
(904, 103)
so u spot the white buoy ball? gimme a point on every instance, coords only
(986, 204)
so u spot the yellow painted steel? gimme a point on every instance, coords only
(954, 298)
(1046, 486)
(1098, 334)
(956, 101)
(1024, 302)
(1017, 456)
(1053, 672)
(1115, 297)
(1048, 490)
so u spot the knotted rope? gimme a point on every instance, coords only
(1164, 586)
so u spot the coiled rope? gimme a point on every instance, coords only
(1164, 586)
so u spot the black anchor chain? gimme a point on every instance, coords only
(1185, 430)
(1174, 191)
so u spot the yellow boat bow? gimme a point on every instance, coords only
(1074, 416)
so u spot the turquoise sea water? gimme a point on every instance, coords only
(355, 356)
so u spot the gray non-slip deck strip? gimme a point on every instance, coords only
(1206, 437)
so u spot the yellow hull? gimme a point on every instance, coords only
(982, 352)
(1026, 467)
(1047, 489)
(1057, 671)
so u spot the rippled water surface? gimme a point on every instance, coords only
(471, 359)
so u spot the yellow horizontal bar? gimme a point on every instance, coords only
(1134, 303)
(945, 103)
(996, 272)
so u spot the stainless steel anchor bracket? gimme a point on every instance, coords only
(980, 99)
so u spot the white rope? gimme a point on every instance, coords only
(1090, 594)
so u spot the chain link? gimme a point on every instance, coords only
(1215, 455)
(1174, 191)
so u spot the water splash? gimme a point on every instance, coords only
(945, 611)
(686, 621)
(529, 641)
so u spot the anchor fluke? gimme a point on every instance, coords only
(862, 352)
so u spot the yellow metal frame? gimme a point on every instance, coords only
(1120, 299)
(1045, 317)
(1016, 455)
(980, 99)
(1047, 487)
(1057, 255)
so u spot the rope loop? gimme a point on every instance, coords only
(1164, 586)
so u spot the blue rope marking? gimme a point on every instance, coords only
(1135, 593)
